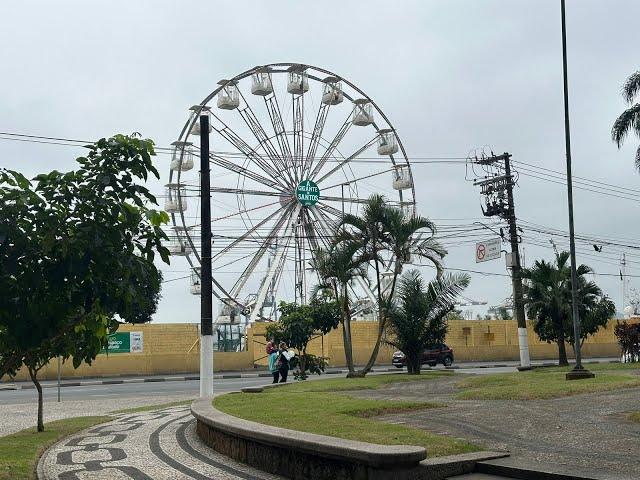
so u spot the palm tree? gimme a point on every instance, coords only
(419, 318)
(629, 119)
(547, 292)
(386, 235)
(337, 268)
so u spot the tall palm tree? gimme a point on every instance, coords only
(389, 237)
(547, 292)
(338, 267)
(629, 119)
(419, 317)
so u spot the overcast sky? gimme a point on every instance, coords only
(452, 77)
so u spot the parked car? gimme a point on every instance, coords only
(431, 356)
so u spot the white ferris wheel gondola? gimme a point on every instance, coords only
(182, 156)
(196, 112)
(175, 200)
(286, 166)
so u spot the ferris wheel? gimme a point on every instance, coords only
(293, 148)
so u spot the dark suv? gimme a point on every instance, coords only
(431, 355)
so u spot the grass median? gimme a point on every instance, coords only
(635, 417)
(20, 451)
(326, 408)
(545, 383)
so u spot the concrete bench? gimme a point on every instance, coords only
(302, 455)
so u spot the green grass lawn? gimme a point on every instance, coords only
(544, 383)
(596, 367)
(328, 412)
(635, 417)
(20, 451)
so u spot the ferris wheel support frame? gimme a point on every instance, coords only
(262, 292)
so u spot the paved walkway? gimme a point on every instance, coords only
(589, 434)
(157, 445)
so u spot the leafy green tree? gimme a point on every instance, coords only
(418, 317)
(386, 235)
(500, 312)
(547, 291)
(338, 268)
(629, 120)
(76, 255)
(297, 326)
(455, 314)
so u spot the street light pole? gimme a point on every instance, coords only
(578, 371)
(206, 308)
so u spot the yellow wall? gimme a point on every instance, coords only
(174, 349)
(472, 340)
(170, 348)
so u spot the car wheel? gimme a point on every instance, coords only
(447, 361)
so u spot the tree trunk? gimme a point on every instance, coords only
(376, 349)
(33, 374)
(346, 333)
(413, 364)
(562, 351)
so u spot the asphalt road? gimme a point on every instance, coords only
(126, 390)
(191, 387)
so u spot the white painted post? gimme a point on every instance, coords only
(206, 365)
(523, 341)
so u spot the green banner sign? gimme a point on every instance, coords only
(124, 342)
(308, 193)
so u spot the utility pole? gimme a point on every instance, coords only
(498, 191)
(206, 307)
(578, 371)
(516, 270)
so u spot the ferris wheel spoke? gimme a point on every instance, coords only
(245, 172)
(348, 159)
(279, 130)
(234, 139)
(316, 135)
(328, 221)
(251, 231)
(266, 281)
(321, 234)
(354, 180)
(326, 198)
(251, 120)
(244, 191)
(329, 152)
(298, 135)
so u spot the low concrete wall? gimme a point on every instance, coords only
(301, 455)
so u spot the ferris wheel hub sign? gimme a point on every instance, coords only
(308, 193)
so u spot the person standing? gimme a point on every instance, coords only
(273, 364)
(283, 361)
(271, 346)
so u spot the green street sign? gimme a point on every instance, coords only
(308, 193)
(124, 342)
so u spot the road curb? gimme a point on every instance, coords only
(185, 378)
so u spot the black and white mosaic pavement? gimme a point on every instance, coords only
(156, 445)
